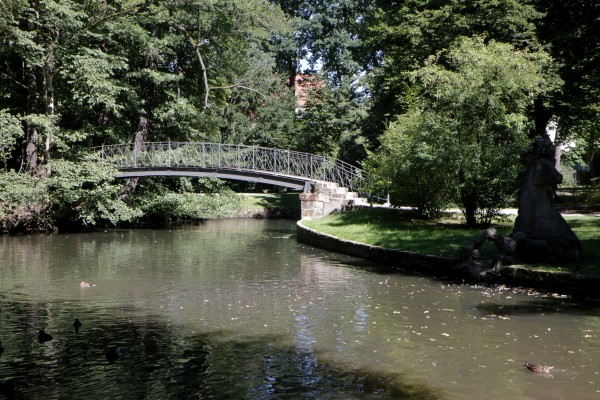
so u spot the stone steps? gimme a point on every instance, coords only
(327, 198)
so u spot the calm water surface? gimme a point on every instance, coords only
(240, 310)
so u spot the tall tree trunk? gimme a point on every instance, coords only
(139, 141)
(557, 147)
(469, 203)
(32, 128)
(196, 45)
(50, 104)
(31, 157)
(292, 73)
(138, 144)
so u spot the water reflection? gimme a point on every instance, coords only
(159, 361)
(239, 309)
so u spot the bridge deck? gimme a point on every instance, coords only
(239, 162)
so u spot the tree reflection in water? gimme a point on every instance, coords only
(158, 362)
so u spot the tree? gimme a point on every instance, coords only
(399, 37)
(473, 106)
(327, 39)
(10, 131)
(78, 74)
(327, 36)
(413, 165)
(34, 36)
(327, 119)
(569, 31)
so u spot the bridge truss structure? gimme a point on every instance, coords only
(287, 168)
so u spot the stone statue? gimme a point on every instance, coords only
(543, 234)
(482, 267)
(540, 233)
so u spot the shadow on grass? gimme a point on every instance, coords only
(272, 200)
(399, 229)
(587, 228)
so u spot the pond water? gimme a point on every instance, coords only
(237, 309)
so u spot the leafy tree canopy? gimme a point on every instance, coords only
(467, 128)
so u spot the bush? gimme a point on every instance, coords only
(24, 204)
(412, 170)
(78, 195)
(171, 207)
(86, 194)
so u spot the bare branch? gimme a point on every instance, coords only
(13, 80)
(196, 47)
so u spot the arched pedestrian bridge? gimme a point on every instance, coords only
(325, 180)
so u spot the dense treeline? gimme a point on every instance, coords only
(83, 73)
(437, 97)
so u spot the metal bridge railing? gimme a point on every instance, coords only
(219, 156)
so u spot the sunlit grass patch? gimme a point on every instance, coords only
(395, 229)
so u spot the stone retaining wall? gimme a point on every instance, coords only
(441, 266)
(446, 267)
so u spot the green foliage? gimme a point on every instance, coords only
(85, 193)
(77, 194)
(330, 118)
(182, 199)
(190, 206)
(481, 93)
(414, 165)
(24, 204)
(569, 31)
(91, 78)
(328, 32)
(400, 37)
(10, 130)
(195, 70)
(462, 143)
(592, 196)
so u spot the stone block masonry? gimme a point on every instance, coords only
(326, 198)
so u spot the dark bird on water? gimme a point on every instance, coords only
(542, 369)
(77, 324)
(112, 354)
(44, 337)
(1, 348)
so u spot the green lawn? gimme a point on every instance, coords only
(395, 229)
(270, 200)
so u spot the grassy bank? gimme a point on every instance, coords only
(270, 200)
(395, 229)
